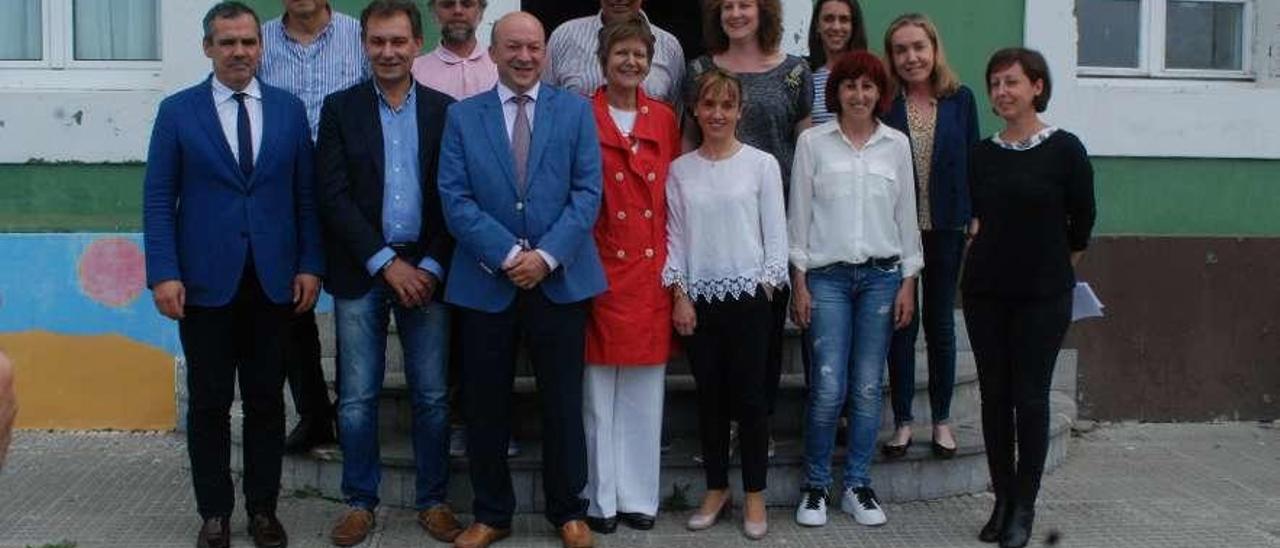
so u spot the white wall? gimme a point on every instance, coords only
(1162, 118)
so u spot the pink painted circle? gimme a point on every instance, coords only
(112, 271)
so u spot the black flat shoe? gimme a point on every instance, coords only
(604, 526)
(266, 531)
(995, 524)
(214, 533)
(1017, 527)
(895, 451)
(637, 521)
(943, 452)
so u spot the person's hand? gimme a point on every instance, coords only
(528, 269)
(170, 297)
(306, 287)
(683, 316)
(801, 303)
(413, 286)
(904, 305)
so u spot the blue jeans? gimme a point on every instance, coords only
(943, 250)
(852, 321)
(362, 342)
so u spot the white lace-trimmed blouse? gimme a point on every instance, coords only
(726, 225)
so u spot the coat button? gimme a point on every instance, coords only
(648, 213)
(622, 254)
(644, 110)
(622, 215)
(652, 176)
(519, 206)
(648, 253)
(619, 176)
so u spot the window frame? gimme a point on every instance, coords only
(1152, 57)
(59, 69)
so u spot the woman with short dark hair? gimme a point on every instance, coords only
(1033, 212)
(855, 252)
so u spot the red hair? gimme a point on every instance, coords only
(853, 65)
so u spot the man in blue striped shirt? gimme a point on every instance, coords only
(310, 51)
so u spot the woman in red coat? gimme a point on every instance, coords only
(629, 333)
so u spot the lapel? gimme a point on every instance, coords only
(372, 127)
(495, 126)
(542, 122)
(273, 116)
(425, 146)
(207, 114)
(943, 117)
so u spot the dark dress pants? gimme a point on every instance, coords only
(303, 370)
(1015, 343)
(555, 338)
(244, 339)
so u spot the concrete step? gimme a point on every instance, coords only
(918, 476)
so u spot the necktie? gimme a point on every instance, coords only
(244, 136)
(521, 134)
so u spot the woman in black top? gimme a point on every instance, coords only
(1033, 209)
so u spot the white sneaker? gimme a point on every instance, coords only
(863, 505)
(812, 511)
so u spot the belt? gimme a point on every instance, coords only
(881, 262)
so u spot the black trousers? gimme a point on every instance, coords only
(727, 353)
(303, 370)
(555, 338)
(243, 339)
(1016, 343)
(777, 327)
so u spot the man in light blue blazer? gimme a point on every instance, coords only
(233, 249)
(519, 182)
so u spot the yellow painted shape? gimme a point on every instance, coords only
(81, 382)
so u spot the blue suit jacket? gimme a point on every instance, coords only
(486, 215)
(956, 133)
(202, 216)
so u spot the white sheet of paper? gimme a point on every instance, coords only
(1084, 303)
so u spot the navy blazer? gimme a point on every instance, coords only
(202, 217)
(487, 216)
(351, 177)
(956, 133)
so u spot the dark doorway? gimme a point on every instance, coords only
(679, 17)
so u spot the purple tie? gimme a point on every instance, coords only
(520, 136)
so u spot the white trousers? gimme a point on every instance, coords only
(622, 413)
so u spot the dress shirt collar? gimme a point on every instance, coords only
(450, 58)
(222, 93)
(324, 32)
(881, 132)
(408, 98)
(506, 94)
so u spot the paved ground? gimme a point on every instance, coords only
(1123, 485)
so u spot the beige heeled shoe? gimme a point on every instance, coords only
(754, 530)
(699, 521)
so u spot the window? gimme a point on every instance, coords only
(1165, 38)
(63, 34)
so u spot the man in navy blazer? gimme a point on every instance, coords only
(232, 249)
(520, 183)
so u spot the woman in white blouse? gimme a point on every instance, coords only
(727, 256)
(855, 252)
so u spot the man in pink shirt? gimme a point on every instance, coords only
(459, 66)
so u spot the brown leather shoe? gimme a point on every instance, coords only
(439, 522)
(352, 528)
(479, 535)
(576, 534)
(214, 533)
(267, 531)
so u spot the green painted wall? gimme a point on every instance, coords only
(71, 198)
(1185, 197)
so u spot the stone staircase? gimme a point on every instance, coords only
(918, 476)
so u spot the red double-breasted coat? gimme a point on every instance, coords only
(630, 322)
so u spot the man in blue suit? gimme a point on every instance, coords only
(519, 181)
(233, 249)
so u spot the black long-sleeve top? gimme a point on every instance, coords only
(1035, 206)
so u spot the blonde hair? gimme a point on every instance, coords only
(943, 79)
